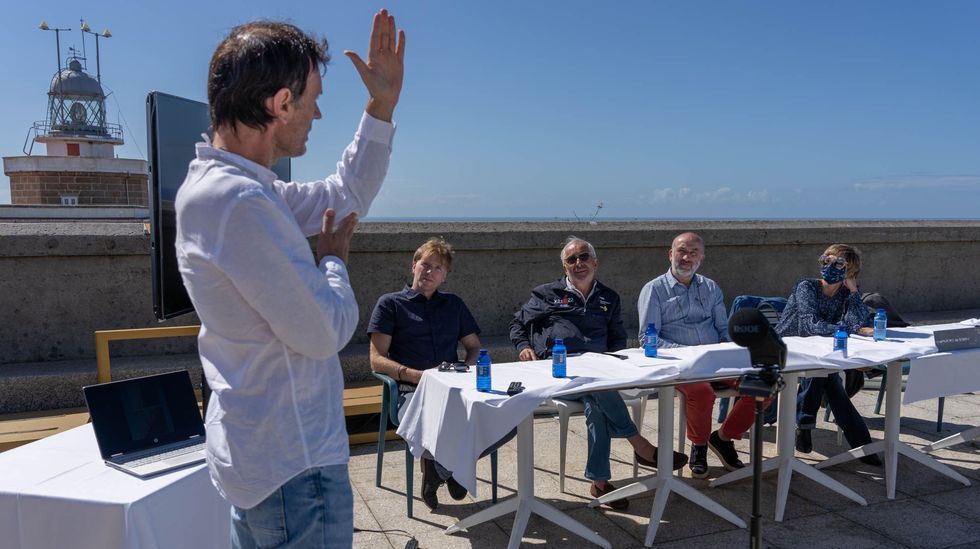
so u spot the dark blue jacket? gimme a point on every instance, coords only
(554, 312)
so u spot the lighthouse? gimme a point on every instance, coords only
(78, 166)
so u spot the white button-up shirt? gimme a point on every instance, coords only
(272, 321)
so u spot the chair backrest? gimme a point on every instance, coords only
(389, 398)
(770, 307)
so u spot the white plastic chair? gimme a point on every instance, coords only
(636, 399)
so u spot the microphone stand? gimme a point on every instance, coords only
(758, 385)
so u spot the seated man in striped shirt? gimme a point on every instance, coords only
(689, 309)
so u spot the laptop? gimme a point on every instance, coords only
(147, 426)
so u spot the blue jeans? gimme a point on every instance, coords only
(606, 418)
(313, 509)
(812, 392)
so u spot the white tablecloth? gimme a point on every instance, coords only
(57, 492)
(454, 422)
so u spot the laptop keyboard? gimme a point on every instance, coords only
(166, 455)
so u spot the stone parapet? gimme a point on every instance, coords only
(61, 281)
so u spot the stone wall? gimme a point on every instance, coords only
(61, 281)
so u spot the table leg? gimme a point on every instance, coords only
(785, 461)
(665, 482)
(892, 446)
(959, 438)
(525, 503)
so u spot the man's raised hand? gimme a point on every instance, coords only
(385, 67)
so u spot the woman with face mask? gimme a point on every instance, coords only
(815, 308)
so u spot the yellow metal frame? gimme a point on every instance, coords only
(357, 401)
(103, 337)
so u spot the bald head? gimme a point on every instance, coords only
(688, 237)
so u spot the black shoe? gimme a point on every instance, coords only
(699, 461)
(680, 460)
(804, 443)
(430, 484)
(872, 459)
(725, 450)
(456, 490)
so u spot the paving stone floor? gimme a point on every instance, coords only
(929, 510)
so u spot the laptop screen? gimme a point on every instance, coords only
(143, 413)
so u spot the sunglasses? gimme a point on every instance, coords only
(838, 262)
(583, 257)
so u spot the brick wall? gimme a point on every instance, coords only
(91, 188)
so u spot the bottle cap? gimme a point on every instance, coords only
(559, 341)
(881, 311)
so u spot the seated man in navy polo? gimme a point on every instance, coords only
(586, 314)
(418, 328)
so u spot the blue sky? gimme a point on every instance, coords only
(772, 109)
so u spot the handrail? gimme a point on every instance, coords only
(103, 337)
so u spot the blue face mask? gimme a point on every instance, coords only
(832, 274)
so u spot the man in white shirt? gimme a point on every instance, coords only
(273, 317)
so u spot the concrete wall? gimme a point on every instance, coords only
(61, 281)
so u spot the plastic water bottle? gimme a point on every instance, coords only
(650, 341)
(559, 358)
(483, 371)
(840, 339)
(881, 325)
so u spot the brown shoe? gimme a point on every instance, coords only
(618, 504)
(680, 460)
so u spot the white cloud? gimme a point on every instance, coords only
(721, 194)
(920, 182)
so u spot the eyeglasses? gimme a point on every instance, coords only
(583, 257)
(838, 262)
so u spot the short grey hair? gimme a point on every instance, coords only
(571, 239)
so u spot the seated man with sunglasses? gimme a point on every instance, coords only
(815, 308)
(586, 314)
(417, 329)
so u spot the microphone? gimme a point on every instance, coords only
(749, 328)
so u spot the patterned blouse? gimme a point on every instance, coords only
(809, 312)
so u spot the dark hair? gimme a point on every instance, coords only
(255, 61)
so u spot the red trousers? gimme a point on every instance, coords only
(700, 407)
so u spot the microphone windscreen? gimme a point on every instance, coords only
(748, 327)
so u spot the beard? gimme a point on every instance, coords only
(685, 273)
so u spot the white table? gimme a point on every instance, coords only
(891, 446)
(57, 492)
(786, 462)
(944, 374)
(448, 418)
(815, 355)
(665, 481)
(453, 422)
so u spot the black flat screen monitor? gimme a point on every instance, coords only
(173, 126)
